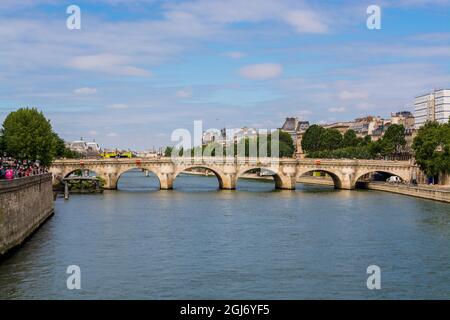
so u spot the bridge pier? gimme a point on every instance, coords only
(228, 181)
(111, 180)
(346, 185)
(166, 181)
(285, 183)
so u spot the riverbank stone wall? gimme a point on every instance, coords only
(25, 204)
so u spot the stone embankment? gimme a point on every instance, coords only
(25, 204)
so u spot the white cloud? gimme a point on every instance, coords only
(107, 63)
(232, 11)
(294, 13)
(112, 134)
(337, 109)
(264, 71)
(352, 95)
(235, 54)
(118, 106)
(93, 133)
(306, 22)
(184, 93)
(85, 91)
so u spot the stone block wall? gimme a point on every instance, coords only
(25, 203)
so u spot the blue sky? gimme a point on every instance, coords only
(138, 69)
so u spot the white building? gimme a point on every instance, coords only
(434, 106)
(243, 133)
(92, 147)
(228, 136)
(86, 148)
(78, 146)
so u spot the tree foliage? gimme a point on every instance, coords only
(432, 148)
(28, 135)
(332, 139)
(168, 151)
(2, 144)
(394, 139)
(259, 146)
(319, 142)
(350, 139)
(317, 138)
(286, 147)
(312, 138)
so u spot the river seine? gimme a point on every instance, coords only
(197, 242)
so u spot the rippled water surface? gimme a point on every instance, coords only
(197, 242)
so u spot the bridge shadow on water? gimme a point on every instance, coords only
(137, 182)
(194, 183)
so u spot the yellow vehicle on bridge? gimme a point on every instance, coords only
(128, 154)
(113, 155)
(108, 155)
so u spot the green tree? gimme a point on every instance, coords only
(168, 151)
(312, 138)
(350, 139)
(375, 148)
(331, 139)
(28, 135)
(394, 139)
(367, 140)
(432, 148)
(286, 147)
(317, 138)
(60, 146)
(2, 144)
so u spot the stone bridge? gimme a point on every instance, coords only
(345, 173)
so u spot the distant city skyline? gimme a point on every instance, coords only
(139, 69)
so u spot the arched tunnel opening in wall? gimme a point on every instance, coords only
(197, 178)
(138, 180)
(319, 178)
(257, 180)
(78, 180)
(81, 172)
(377, 177)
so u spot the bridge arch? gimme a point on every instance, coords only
(281, 180)
(404, 176)
(109, 181)
(131, 168)
(222, 179)
(335, 176)
(59, 173)
(68, 172)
